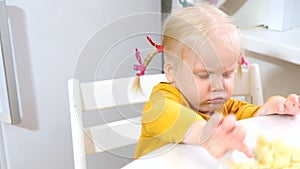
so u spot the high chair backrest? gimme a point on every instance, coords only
(248, 84)
(90, 96)
(98, 95)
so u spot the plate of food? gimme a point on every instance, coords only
(269, 153)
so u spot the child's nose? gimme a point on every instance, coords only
(217, 82)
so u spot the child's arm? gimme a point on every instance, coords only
(228, 136)
(281, 105)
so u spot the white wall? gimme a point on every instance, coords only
(278, 77)
(49, 38)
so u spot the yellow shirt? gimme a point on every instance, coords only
(167, 116)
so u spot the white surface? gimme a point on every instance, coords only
(174, 156)
(283, 45)
(193, 157)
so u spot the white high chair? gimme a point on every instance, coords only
(248, 85)
(99, 95)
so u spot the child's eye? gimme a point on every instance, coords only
(228, 74)
(203, 75)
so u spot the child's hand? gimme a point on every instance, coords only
(228, 136)
(281, 105)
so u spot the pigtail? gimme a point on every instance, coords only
(141, 68)
(242, 61)
(240, 70)
(136, 86)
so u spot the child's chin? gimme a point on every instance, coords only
(212, 109)
(217, 107)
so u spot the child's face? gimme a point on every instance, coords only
(206, 79)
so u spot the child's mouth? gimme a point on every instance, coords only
(218, 100)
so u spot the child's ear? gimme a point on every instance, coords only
(169, 72)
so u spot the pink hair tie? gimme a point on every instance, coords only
(158, 47)
(140, 67)
(244, 61)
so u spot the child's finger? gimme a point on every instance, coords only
(228, 124)
(239, 135)
(292, 103)
(293, 98)
(246, 150)
(236, 137)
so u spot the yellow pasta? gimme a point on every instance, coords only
(273, 154)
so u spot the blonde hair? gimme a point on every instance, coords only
(192, 27)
